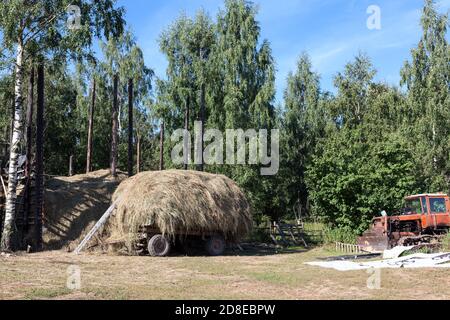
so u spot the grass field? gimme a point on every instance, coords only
(259, 276)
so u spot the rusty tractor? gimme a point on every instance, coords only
(424, 220)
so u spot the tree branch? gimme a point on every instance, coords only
(40, 27)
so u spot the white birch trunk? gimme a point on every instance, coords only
(10, 210)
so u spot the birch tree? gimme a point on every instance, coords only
(427, 79)
(39, 28)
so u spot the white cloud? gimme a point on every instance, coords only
(322, 55)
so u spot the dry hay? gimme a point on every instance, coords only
(72, 206)
(179, 202)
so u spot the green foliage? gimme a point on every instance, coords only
(344, 235)
(6, 102)
(427, 79)
(41, 26)
(187, 44)
(351, 181)
(61, 109)
(351, 103)
(39, 29)
(247, 70)
(259, 235)
(446, 242)
(244, 94)
(303, 123)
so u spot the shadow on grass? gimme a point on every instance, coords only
(262, 249)
(248, 250)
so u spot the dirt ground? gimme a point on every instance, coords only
(257, 275)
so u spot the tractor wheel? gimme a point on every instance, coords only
(215, 245)
(158, 246)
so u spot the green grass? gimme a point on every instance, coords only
(46, 293)
(314, 226)
(107, 293)
(446, 243)
(276, 278)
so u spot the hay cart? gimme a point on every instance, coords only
(181, 210)
(158, 245)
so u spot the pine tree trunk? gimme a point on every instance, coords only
(161, 147)
(130, 127)
(202, 120)
(186, 127)
(39, 157)
(90, 130)
(29, 130)
(114, 129)
(29, 122)
(138, 154)
(119, 110)
(10, 208)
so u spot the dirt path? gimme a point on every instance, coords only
(44, 276)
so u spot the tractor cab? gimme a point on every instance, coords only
(426, 204)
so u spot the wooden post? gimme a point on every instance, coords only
(29, 142)
(71, 165)
(90, 130)
(130, 127)
(186, 128)
(161, 147)
(114, 137)
(97, 226)
(39, 157)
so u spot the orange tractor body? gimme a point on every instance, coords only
(425, 219)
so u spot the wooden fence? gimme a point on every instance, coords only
(348, 248)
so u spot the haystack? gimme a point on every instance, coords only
(73, 205)
(179, 202)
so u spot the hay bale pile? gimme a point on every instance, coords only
(179, 202)
(72, 206)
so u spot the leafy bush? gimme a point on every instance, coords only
(344, 235)
(259, 235)
(351, 181)
(446, 243)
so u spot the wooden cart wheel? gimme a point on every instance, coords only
(215, 245)
(158, 246)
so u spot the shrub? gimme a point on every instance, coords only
(344, 235)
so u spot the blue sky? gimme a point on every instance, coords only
(331, 31)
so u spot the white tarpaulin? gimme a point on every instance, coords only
(419, 260)
(395, 252)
